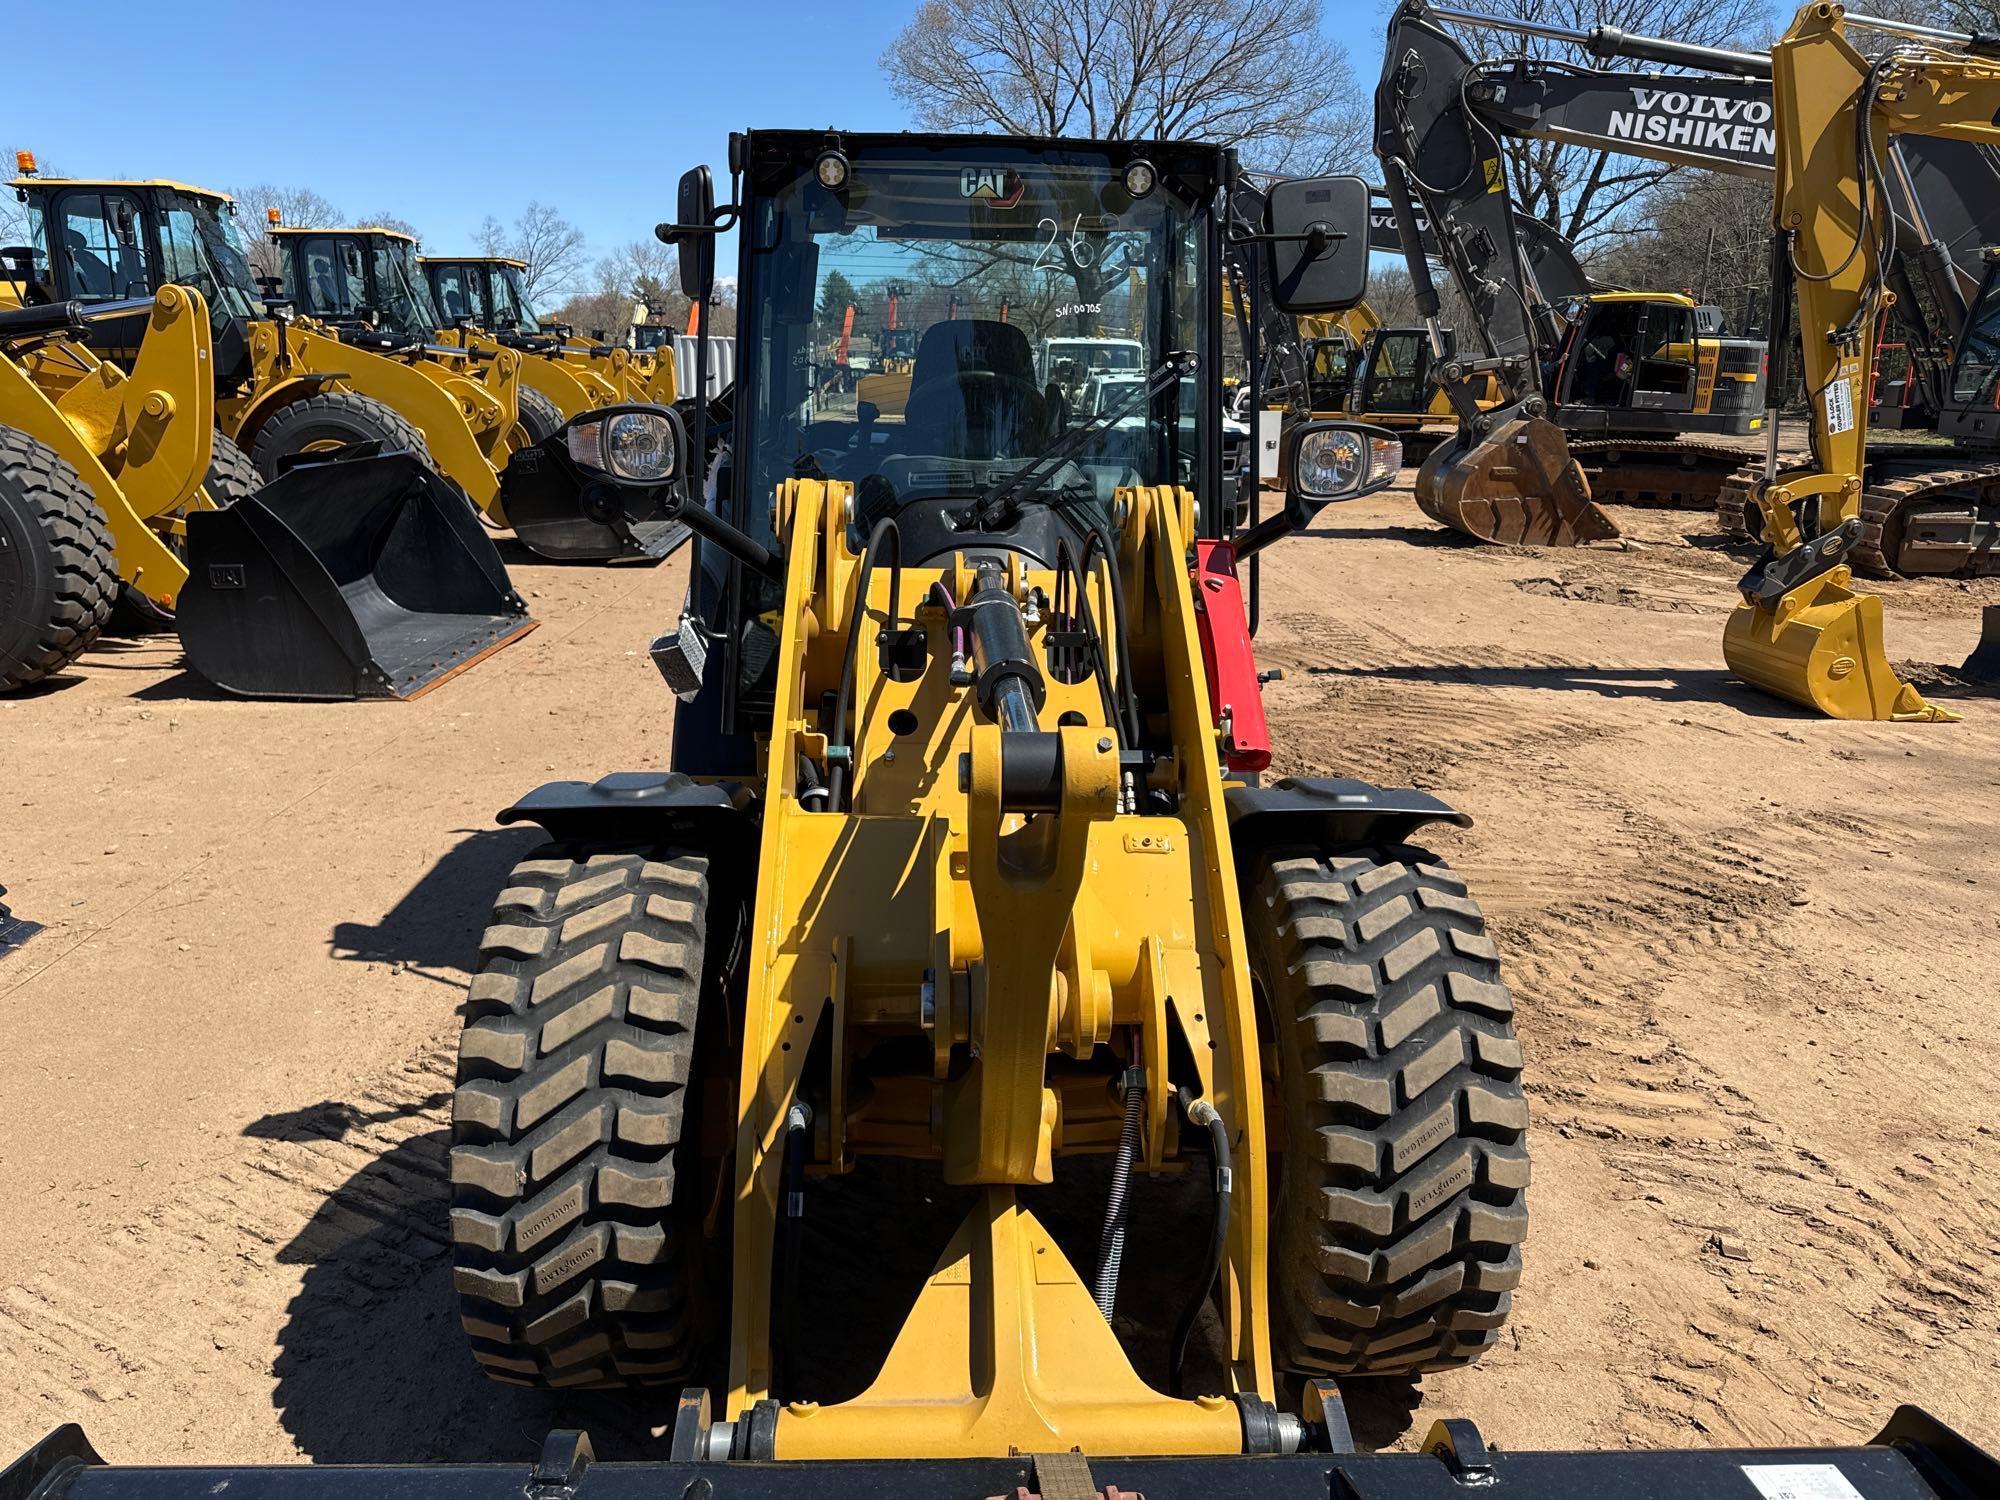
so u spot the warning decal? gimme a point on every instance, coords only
(1839, 405)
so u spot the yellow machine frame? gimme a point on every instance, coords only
(1820, 643)
(1127, 939)
(141, 442)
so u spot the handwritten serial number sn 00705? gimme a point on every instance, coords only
(1079, 309)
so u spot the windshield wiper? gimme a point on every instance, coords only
(997, 502)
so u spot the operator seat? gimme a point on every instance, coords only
(973, 393)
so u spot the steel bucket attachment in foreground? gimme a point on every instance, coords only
(546, 502)
(1822, 649)
(361, 577)
(1517, 484)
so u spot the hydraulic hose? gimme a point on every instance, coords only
(1201, 1112)
(798, 1125)
(1111, 1247)
(838, 772)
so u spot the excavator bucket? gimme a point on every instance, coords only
(1517, 484)
(1984, 663)
(364, 576)
(1822, 649)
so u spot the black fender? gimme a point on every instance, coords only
(644, 805)
(1329, 812)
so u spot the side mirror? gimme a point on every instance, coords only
(697, 251)
(1316, 236)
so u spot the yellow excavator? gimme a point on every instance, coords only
(1802, 631)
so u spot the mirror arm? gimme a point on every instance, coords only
(1255, 539)
(725, 219)
(745, 548)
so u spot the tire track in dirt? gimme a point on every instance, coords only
(334, 1214)
(1781, 1212)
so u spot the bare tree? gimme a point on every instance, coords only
(1261, 75)
(299, 207)
(551, 248)
(1585, 193)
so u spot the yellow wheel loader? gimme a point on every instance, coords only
(575, 371)
(144, 445)
(479, 301)
(366, 286)
(289, 386)
(123, 392)
(963, 921)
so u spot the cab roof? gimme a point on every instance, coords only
(473, 260)
(392, 234)
(1679, 299)
(120, 182)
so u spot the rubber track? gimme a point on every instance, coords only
(1402, 1204)
(571, 1262)
(54, 495)
(393, 428)
(1657, 473)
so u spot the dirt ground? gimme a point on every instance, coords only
(1754, 953)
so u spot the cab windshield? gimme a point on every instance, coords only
(510, 300)
(205, 250)
(404, 297)
(1041, 292)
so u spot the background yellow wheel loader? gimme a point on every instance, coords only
(488, 292)
(366, 287)
(479, 301)
(125, 392)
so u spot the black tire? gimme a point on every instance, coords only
(541, 418)
(1401, 1200)
(58, 569)
(335, 417)
(231, 477)
(574, 1256)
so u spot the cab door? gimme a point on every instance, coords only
(101, 249)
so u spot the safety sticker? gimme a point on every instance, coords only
(1495, 182)
(1840, 405)
(1800, 1481)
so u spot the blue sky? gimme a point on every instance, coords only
(410, 108)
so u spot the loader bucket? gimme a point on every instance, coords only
(1822, 649)
(362, 577)
(1518, 484)
(1984, 663)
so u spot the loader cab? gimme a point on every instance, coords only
(1010, 258)
(488, 289)
(355, 278)
(111, 241)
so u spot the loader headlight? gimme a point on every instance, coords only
(1334, 461)
(634, 444)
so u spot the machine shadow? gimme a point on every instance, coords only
(1661, 685)
(436, 923)
(372, 1366)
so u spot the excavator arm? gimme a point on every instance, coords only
(1441, 121)
(1801, 630)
